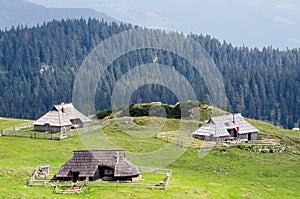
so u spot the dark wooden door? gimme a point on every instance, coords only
(75, 176)
(249, 136)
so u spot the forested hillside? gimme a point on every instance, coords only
(261, 84)
(38, 67)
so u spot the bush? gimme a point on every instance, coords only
(103, 114)
(180, 110)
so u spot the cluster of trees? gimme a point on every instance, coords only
(155, 110)
(103, 114)
(38, 67)
(177, 111)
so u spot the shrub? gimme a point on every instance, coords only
(103, 114)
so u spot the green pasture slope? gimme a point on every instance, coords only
(223, 173)
(9, 122)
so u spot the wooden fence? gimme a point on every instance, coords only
(20, 131)
(36, 180)
(169, 175)
(34, 175)
(77, 187)
(74, 188)
(152, 185)
(16, 128)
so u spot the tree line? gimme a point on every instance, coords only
(38, 66)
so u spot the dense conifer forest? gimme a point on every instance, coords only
(38, 66)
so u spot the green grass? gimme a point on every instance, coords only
(229, 173)
(269, 130)
(7, 122)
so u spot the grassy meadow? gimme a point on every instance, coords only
(9, 122)
(224, 173)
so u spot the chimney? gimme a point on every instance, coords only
(233, 119)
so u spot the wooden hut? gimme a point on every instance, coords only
(61, 118)
(222, 128)
(99, 164)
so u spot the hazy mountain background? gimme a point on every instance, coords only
(21, 12)
(254, 23)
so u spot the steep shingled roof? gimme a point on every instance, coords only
(86, 163)
(218, 126)
(60, 115)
